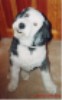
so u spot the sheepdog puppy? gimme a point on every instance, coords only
(28, 48)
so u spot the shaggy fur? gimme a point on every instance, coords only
(28, 48)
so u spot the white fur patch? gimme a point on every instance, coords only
(28, 61)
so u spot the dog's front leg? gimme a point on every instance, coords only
(47, 80)
(14, 78)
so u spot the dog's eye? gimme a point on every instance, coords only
(27, 15)
(35, 24)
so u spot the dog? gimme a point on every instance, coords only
(28, 48)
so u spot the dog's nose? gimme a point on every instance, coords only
(21, 25)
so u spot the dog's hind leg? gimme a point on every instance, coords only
(14, 78)
(47, 80)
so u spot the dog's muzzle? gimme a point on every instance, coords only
(21, 26)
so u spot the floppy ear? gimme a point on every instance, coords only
(46, 31)
(43, 35)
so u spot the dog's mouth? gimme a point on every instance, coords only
(18, 31)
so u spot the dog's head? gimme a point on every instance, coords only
(31, 23)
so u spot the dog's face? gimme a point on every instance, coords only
(31, 23)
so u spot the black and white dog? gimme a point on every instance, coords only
(28, 48)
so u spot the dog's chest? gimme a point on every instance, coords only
(28, 59)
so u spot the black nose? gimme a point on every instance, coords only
(21, 25)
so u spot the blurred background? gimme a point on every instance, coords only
(10, 8)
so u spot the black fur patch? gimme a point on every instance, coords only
(13, 47)
(38, 40)
(31, 49)
(43, 35)
(22, 13)
(45, 65)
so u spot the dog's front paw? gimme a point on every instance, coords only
(52, 89)
(12, 86)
